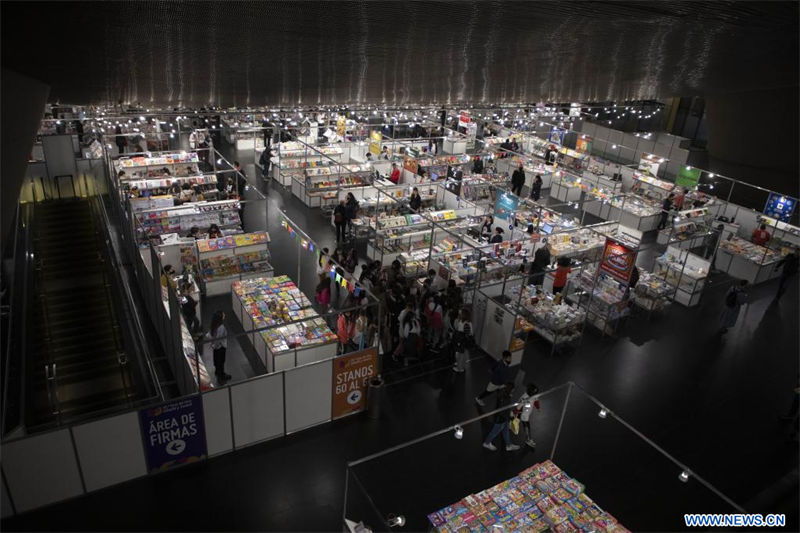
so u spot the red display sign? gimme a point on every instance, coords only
(618, 260)
(463, 118)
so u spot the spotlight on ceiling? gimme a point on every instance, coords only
(458, 432)
(684, 476)
(603, 412)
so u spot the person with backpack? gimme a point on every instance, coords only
(500, 376)
(462, 340)
(526, 404)
(501, 421)
(734, 299)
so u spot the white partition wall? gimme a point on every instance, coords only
(217, 418)
(308, 395)
(41, 469)
(110, 450)
(257, 410)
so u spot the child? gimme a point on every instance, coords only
(524, 412)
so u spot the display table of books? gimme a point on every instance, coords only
(297, 335)
(541, 498)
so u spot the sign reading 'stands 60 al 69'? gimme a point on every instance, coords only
(350, 375)
(618, 260)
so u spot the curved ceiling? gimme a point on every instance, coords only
(239, 53)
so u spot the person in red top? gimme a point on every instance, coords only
(679, 198)
(395, 175)
(560, 278)
(761, 236)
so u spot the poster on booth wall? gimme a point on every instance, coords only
(584, 145)
(463, 119)
(556, 135)
(618, 260)
(505, 204)
(649, 164)
(780, 207)
(351, 373)
(375, 139)
(341, 122)
(410, 164)
(174, 433)
(688, 177)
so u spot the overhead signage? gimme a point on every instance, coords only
(688, 177)
(375, 139)
(351, 374)
(505, 204)
(780, 207)
(174, 433)
(618, 260)
(463, 119)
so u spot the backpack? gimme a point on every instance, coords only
(732, 298)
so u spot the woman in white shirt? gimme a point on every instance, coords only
(219, 344)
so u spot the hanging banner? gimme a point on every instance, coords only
(174, 433)
(618, 260)
(505, 204)
(557, 135)
(351, 373)
(780, 207)
(688, 177)
(375, 139)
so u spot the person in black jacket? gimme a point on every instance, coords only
(541, 260)
(497, 237)
(536, 189)
(477, 165)
(351, 210)
(501, 420)
(340, 221)
(415, 202)
(501, 373)
(518, 180)
(790, 266)
(666, 207)
(121, 140)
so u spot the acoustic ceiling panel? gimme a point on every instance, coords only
(239, 53)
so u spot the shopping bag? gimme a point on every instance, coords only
(514, 425)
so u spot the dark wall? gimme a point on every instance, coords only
(23, 101)
(754, 136)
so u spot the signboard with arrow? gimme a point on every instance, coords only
(174, 433)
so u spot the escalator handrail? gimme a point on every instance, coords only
(139, 330)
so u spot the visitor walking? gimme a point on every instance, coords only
(527, 402)
(500, 376)
(501, 420)
(340, 221)
(536, 188)
(518, 180)
(462, 340)
(734, 299)
(219, 345)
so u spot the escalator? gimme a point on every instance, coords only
(77, 363)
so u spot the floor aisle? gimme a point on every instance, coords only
(711, 401)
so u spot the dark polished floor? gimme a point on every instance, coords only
(713, 402)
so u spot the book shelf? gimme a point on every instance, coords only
(232, 258)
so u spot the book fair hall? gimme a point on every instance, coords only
(324, 271)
